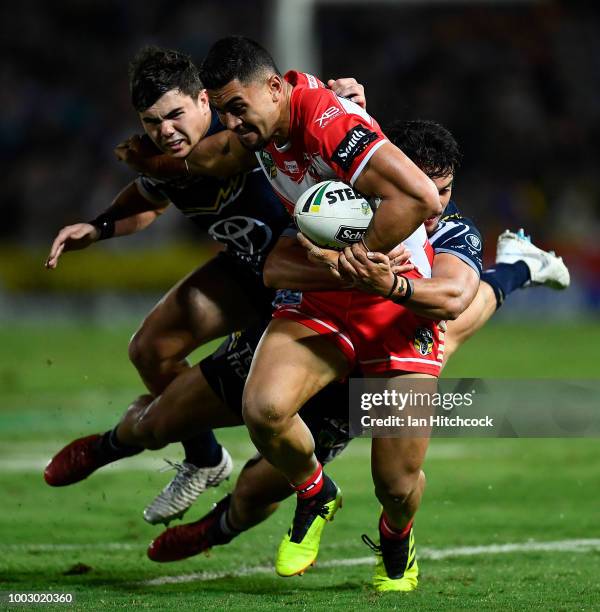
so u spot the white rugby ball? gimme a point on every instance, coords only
(332, 214)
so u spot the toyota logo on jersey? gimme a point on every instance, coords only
(245, 234)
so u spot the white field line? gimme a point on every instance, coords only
(434, 554)
(22, 462)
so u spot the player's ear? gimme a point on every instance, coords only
(275, 83)
(202, 99)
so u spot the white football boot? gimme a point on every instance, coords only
(545, 268)
(189, 482)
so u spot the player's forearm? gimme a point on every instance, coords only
(131, 212)
(437, 298)
(394, 221)
(479, 312)
(134, 223)
(407, 196)
(220, 155)
(287, 267)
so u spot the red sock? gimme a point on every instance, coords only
(312, 486)
(391, 532)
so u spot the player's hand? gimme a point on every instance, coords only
(320, 256)
(349, 88)
(368, 271)
(142, 155)
(71, 238)
(400, 259)
(135, 149)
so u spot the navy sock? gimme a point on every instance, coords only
(221, 530)
(506, 278)
(111, 447)
(203, 450)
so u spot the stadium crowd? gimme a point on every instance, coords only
(528, 127)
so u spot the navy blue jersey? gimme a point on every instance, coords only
(451, 209)
(242, 212)
(325, 414)
(458, 236)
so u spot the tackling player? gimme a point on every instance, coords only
(236, 207)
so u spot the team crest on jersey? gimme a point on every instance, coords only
(423, 341)
(474, 241)
(291, 166)
(268, 163)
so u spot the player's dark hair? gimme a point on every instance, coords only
(154, 71)
(235, 57)
(430, 145)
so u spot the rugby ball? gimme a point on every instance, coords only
(332, 214)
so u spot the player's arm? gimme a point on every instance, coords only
(290, 266)
(297, 263)
(220, 155)
(449, 291)
(130, 212)
(407, 196)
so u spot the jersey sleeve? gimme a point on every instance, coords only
(461, 238)
(343, 134)
(151, 189)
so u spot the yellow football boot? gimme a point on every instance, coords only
(300, 546)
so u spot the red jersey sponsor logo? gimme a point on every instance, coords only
(352, 145)
(328, 115)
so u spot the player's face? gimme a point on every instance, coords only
(250, 111)
(176, 122)
(444, 187)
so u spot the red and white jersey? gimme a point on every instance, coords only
(330, 137)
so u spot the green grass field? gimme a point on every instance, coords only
(482, 495)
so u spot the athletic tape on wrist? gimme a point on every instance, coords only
(408, 291)
(105, 225)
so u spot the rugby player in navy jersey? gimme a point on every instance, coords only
(260, 487)
(237, 208)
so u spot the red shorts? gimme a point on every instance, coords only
(374, 334)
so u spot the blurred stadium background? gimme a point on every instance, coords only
(517, 82)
